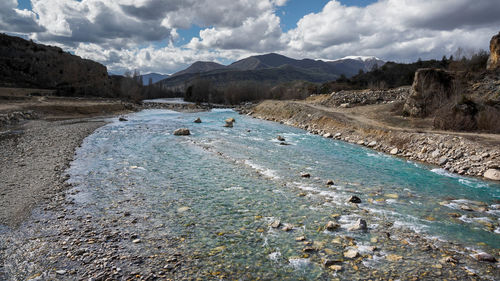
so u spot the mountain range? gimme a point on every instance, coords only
(270, 69)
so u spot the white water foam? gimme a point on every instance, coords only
(299, 263)
(272, 174)
(274, 256)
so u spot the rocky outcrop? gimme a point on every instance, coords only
(27, 64)
(431, 89)
(494, 59)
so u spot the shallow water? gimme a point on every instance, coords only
(220, 188)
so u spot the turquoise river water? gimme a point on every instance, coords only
(221, 188)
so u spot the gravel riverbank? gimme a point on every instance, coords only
(457, 153)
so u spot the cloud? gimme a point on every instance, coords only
(15, 20)
(95, 21)
(395, 29)
(127, 34)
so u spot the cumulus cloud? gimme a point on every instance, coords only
(395, 29)
(142, 33)
(15, 20)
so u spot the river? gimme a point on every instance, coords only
(219, 191)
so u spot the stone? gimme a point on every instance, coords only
(276, 224)
(182, 132)
(372, 144)
(305, 175)
(331, 226)
(326, 262)
(351, 254)
(230, 120)
(122, 119)
(345, 105)
(300, 238)
(485, 257)
(330, 182)
(392, 257)
(328, 135)
(359, 225)
(198, 120)
(335, 267)
(394, 151)
(136, 241)
(61, 272)
(337, 135)
(280, 138)
(287, 227)
(354, 199)
(360, 142)
(435, 153)
(492, 174)
(228, 124)
(494, 59)
(442, 161)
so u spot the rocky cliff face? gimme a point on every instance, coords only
(27, 64)
(494, 59)
(431, 89)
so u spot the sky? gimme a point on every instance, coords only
(166, 36)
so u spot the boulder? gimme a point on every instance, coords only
(492, 174)
(198, 120)
(122, 119)
(276, 224)
(494, 59)
(230, 120)
(331, 226)
(485, 257)
(280, 138)
(359, 225)
(431, 89)
(305, 175)
(328, 135)
(330, 182)
(182, 132)
(394, 151)
(372, 144)
(354, 199)
(442, 161)
(228, 124)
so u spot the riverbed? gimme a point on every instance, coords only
(237, 203)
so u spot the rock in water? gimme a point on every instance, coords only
(492, 174)
(230, 120)
(494, 59)
(331, 226)
(198, 120)
(305, 175)
(280, 138)
(354, 199)
(360, 225)
(485, 257)
(350, 254)
(122, 119)
(228, 124)
(182, 132)
(275, 224)
(329, 182)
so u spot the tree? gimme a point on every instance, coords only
(150, 82)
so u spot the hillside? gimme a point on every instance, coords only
(155, 77)
(27, 64)
(199, 67)
(271, 69)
